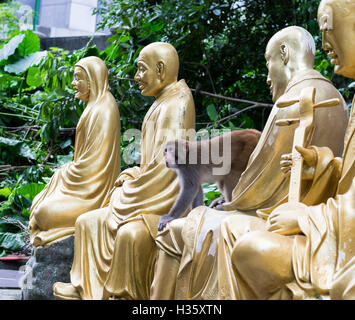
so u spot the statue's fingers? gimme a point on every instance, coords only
(308, 155)
(287, 156)
(286, 163)
(273, 227)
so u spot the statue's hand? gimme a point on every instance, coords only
(310, 160)
(284, 219)
(163, 221)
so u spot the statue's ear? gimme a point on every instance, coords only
(284, 51)
(161, 70)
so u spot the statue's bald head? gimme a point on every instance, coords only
(164, 52)
(162, 62)
(288, 52)
(298, 43)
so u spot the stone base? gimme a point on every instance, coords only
(46, 266)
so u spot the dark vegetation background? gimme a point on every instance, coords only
(221, 47)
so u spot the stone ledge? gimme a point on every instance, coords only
(46, 266)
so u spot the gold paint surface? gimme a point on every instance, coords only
(85, 183)
(208, 238)
(115, 249)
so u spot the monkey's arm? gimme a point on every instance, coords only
(189, 189)
(198, 201)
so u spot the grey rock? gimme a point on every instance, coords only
(46, 266)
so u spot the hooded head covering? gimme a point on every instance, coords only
(96, 71)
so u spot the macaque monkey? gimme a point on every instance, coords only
(219, 160)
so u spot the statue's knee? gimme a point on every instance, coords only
(81, 222)
(41, 215)
(132, 232)
(249, 250)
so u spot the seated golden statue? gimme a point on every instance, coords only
(114, 246)
(83, 184)
(308, 251)
(196, 249)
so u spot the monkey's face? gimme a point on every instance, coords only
(175, 154)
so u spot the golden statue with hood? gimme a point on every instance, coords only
(196, 250)
(114, 250)
(308, 251)
(85, 183)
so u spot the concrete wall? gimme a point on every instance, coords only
(65, 18)
(81, 17)
(54, 13)
(73, 43)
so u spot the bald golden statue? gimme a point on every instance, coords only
(196, 249)
(83, 184)
(114, 246)
(308, 251)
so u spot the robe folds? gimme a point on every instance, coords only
(85, 183)
(207, 237)
(114, 246)
(322, 255)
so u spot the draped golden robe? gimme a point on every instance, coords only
(84, 184)
(114, 246)
(323, 256)
(198, 241)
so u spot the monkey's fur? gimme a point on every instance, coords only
(186, 159)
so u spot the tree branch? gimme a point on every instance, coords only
(205, 93)
(267, 105)
(256, 105)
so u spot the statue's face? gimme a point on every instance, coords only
(147, 75)
(338, 32)
(277, 78)
(81, 84)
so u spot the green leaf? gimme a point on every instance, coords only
(66, 143)
(25, 151)
(9, 225)
(212, 195)
(34, 78)
(29, 44)
(30, 190)
(65, 159)
(12, 241)
(212, 112)
(9, 48)
(5, 192)
(23, 64)
(9, 142)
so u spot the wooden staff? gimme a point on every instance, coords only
(305, 127)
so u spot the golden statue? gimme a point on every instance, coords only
(83, 184)
(308, 251)
(114, 246)
(196, 249)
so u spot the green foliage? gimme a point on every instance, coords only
(9, 21)
(221, 47)
(210, 192)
